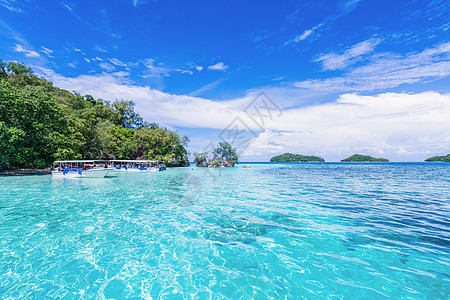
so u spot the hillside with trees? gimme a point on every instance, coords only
(289, 157)
(364, 158)
(445, 158)
(40, 123)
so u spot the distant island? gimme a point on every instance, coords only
(364, 158)
(289, 157)
(445, 158)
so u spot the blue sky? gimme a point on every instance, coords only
(344, 76)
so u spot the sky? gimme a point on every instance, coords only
(326, 78)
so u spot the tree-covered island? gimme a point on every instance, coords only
(363, 158)
(40, 123)
(445, 158)
(224, 155)
(289, 157)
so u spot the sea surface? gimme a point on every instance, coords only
(272, 231)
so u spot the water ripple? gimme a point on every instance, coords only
(270, 231)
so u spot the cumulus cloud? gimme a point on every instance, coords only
(220, 66)
(28, 53)
(399, 126)
(396, 125)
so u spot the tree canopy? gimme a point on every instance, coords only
(289, 157)
(364, 158)
(40, 123)
(224, 155)
(445, 158)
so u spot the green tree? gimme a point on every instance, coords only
(227, 152)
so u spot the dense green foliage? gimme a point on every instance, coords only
(200, 158)
(224, 155)
(445, 158)
(40, 123)
(225, 151)
(364, 158)
(289, 157)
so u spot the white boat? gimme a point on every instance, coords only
(122, 165)
(81, 168)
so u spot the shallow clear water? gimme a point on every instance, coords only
(270, 231)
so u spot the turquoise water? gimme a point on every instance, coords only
(281, 231)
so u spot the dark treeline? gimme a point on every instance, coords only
(40, 123)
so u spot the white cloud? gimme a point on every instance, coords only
(387, 71)
(28, 53)
(87, 60)
(397, 126)
(100, 49)
(121, 74)
(154, 70)
(106, 66)
(72, 65)
(11, 5)
(47, 51)
(220, 66)
(304, 35)
(333, 61)
(117, 62)
(393, 125)
(199, 68)
(206, 88)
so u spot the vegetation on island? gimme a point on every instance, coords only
(289, 157)
(224, 155)
(445, 158)
(364, 158)
(40, 123)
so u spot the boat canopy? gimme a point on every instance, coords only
(133, 161)
(80, 161)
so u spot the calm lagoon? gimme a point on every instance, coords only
(282, 231)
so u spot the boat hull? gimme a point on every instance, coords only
(92, 173)
(136, 170)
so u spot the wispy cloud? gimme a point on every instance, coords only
(100, 49)
(28, 53)
(106, 66)
(388, 70)
(343, 8)
(47, 51)
(206, 88)
(333, 61)
(11, 5)
(154, 70)
(304, 35)
(220, 66)
(117, 62)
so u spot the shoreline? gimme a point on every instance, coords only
(24, 172)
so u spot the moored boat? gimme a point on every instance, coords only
(81, 168)
(123, 165)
